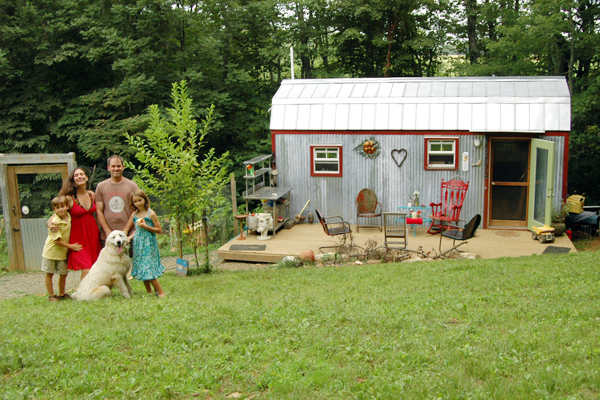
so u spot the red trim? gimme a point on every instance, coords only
(456, 142)
(415, 132)
(321, 174)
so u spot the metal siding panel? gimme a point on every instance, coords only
(521, 89)
(283, 92)
(479, 89)
(346, 91)
(321, 91)
(395, 117)
(465, 112)
(479, 117)
(303, 116)
(409, 117)
(295, 92)
(372, 89)
(277, 117)
(450, 120)
(329, 114)
(493, 89)
(438, 89)
(507, 89)
(359, 90)
(465, 89)
(398, 89)
(356, 116)
(308, 91)
(451, 89)
(535, 89)
(565, 117)
(522, 117)
(493, 117)
(422, 122)
(536, 117)
(507, 117)
(550, 89)
(333, 90)
(424, 89)
(368, 117)
(437, 116)
(551, 115)
(291, 117)
(341, 116)
(382, 116)
(563, 88)
(412, 89)
(385, 90)
(316, 117)
(33, 233)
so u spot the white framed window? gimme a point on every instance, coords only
(326, 160)
(441, 153)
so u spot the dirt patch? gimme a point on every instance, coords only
(32, 283)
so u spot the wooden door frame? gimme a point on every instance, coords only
(11, 165)
(488, 185)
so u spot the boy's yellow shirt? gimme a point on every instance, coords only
(52, 251)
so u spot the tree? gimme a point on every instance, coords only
(170, 168)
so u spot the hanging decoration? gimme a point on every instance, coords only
(397, 155)
(369, 148)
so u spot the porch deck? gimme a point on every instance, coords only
(487, 243)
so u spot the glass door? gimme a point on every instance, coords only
(541, 176)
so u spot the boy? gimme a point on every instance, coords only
(54, 256)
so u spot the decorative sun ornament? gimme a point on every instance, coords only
(369, 148)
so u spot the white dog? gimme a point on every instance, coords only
(109, 270)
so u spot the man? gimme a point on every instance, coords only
(113, 199)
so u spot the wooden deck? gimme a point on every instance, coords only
(487, 243)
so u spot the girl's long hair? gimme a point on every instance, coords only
(69, 187)
(142, 194)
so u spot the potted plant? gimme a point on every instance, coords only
(558, 219)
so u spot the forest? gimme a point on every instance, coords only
(78, 75)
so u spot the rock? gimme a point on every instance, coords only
(358, 263)
(307, 256)
(468, 256)
(374, 262)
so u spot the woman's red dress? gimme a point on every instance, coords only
(85, 231)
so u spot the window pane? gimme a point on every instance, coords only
(435, 146)
(326, 167)
(321, 155)
(332, 155)
(447, 146)
(441, 159)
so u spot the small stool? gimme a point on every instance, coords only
(241, 218)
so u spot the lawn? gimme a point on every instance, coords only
(519, 328)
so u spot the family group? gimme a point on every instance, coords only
(75, 237)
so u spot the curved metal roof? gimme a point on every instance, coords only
(477, 104)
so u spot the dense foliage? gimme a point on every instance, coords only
(76, 75)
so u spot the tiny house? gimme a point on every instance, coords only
(507, 136)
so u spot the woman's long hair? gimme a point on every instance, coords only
(69, 188)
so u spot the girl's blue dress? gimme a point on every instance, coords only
(146, 258)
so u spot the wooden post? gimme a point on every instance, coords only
(234, 204)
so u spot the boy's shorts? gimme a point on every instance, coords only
(54, 266)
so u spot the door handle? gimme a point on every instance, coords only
(16, 229)
(493, 183)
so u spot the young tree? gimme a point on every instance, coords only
(170, 169)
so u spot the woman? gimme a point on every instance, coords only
(84, 228)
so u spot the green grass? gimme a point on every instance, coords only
(519, 328)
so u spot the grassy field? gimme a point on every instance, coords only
(518, 328)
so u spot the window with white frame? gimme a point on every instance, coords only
(441, 153)
(326, 160)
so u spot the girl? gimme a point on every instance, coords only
(146, 259)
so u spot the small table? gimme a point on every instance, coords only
(414, 221)
(241, 218)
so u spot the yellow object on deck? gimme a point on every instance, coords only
(542, 229)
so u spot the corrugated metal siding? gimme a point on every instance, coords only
(478, 104)
(394, 186)
(34, 233)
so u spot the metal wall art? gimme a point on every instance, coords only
(369, 148)
(397, 156)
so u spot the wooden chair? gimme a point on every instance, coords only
(461, 233)
(452, 198)
(366, 207)
(333, 226)
(394, 229)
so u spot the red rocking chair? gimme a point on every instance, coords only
(448, 209)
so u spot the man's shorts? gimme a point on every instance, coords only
(54, 266)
